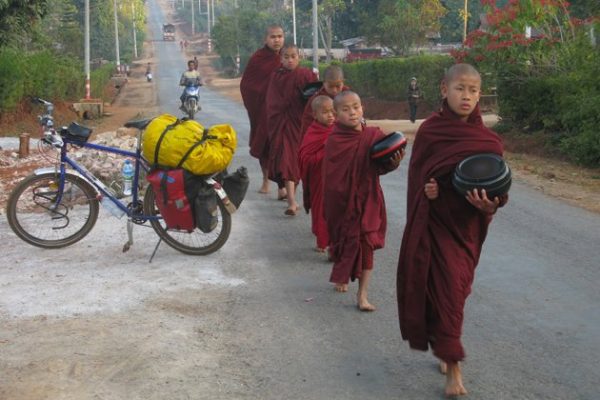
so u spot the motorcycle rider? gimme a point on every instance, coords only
(191, 76)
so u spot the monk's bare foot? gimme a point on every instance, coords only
(364, 305)
(291, 210)
(281, 194)
(264, 189)
(454, 384)
(443, 367)
(320, 249)
(341, 287)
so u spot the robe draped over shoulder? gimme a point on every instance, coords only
(312, 151)
(442, 238)
(284, 104)
(253, 88)
(353, 202)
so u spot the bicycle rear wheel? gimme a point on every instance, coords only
(35, 216)
(195, 243)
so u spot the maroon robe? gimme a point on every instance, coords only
(307, 116)
(253, 87)
(312, 151)
(284, 111)
(443, 237)
(353, 202)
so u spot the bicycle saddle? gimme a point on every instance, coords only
(138, 124)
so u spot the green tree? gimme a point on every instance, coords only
(17, 18)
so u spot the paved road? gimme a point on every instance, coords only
(258, 320)
(532, 323)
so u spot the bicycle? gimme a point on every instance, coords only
(58, 206)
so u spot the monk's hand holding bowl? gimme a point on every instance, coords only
(397, 157)
(481, 202)
(432, 190)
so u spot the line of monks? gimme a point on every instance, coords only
(324, 143)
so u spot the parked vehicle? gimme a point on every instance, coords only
(57, 206)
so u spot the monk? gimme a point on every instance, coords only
(285, 105)
(353, 202)
(444, 231)
(311, 156)
(253, 87)
(333, 83)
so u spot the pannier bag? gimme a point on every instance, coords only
(203, 198)
(236, 185)
(171, 198)
(211, 149)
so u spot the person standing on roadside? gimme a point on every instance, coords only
(253, 86)
(414, 94)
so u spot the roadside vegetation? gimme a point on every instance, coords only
(42, 47)
(541, 57)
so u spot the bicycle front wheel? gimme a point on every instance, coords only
(196, 243)
(42, 216)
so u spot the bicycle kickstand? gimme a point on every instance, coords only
(129, 242)
(155, 249)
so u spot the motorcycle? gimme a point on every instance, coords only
(191, 103)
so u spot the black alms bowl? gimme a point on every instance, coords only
(385, 148)
(310, 89)
(482, 171)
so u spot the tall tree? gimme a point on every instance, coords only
(17, 19)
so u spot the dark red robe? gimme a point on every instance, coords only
(253, 87)
(353, 202)
(312, 151)
(307, 116)
(284, 112)
(443, 237)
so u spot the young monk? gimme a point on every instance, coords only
(444, 231)
(253, 87)
(284, 112)
(333, 83)
(353, 202)
(311, 156)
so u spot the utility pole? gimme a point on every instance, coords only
(135, 53)
(208, 8)
(117, 36)
(466, 18)
(86, 40)
(294, 19)
(212, 8)
(193, 19)
(315, 26)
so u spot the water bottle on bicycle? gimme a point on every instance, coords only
(127, 173)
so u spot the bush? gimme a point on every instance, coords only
(388, 78)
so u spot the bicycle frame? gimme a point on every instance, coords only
(140, 163)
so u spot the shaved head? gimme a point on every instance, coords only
(319, 102)
(272, 27)
(460, 69)
(340, 98)
(333, 73)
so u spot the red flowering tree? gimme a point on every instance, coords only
(545, 66)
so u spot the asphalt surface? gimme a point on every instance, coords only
(532, 322)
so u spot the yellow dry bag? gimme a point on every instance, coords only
(168, 139)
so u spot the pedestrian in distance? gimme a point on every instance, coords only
(414, 94)
(353, 201)
(253, 87)
(444, 231)
(285, 106)
(312, 151)
(333, 84)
